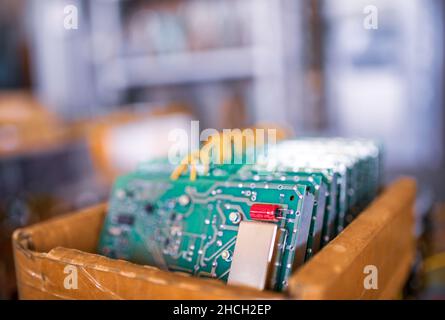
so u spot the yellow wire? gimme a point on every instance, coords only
(220, 144)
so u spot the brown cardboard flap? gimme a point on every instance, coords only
(77, 231)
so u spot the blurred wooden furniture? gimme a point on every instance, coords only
(27, 126)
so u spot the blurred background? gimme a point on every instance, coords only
(88, 88)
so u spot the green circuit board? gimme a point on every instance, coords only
(313, 188)
(186, 226)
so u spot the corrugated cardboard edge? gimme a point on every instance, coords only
(382, 236)
(41, 275)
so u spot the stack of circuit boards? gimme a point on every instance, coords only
(250, 224)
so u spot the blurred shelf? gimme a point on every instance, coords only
(178, 68)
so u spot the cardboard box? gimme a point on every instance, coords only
(382, 236)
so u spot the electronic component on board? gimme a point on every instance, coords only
(256, 249)
(265, 212)
(125, 219)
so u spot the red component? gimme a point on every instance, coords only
(265, 212)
